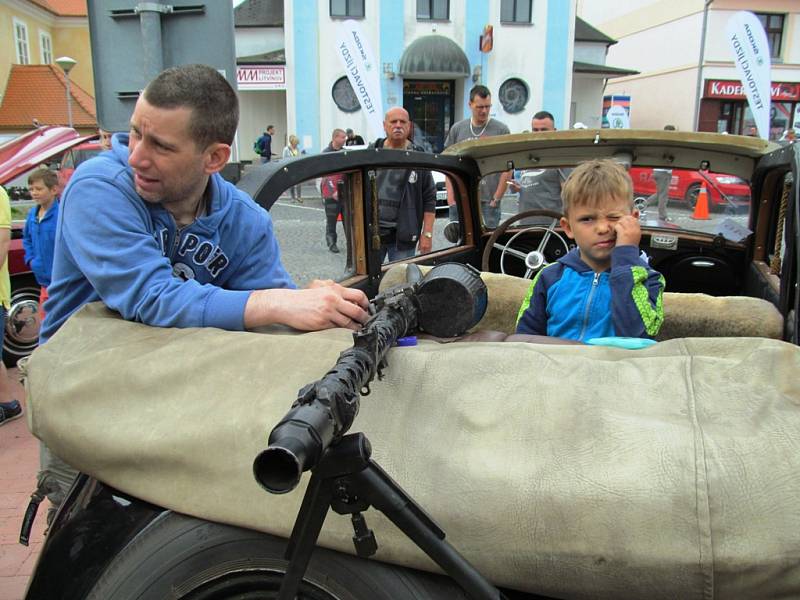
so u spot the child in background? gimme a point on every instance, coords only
(39, 236)
(603, 288)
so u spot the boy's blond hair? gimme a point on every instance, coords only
(45, 175)
(594, 182)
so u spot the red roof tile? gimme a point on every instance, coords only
(63, 8)
(39, 92)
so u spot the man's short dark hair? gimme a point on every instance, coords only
(543, 114)
(270, 127)
(479, 90)
(349, 131)
(212, 100)
(669, 128)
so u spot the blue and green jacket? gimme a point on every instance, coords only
(567, 299)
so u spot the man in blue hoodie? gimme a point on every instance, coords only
(155, 232)
(152, 230)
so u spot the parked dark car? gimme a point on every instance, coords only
(170, 506)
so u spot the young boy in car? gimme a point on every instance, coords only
(39, 235)
(603, 288)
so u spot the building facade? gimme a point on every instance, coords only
(33, 34)
(430, 56)
(687, 75)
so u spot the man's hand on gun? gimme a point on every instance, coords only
(322, 305)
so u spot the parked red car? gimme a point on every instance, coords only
(18, 157)
(75, 156)
(723, 190)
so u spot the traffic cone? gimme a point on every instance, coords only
(701, 205)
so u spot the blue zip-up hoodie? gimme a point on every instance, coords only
(567, 299)
(113, 246)
(38, 240)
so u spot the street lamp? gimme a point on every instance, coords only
(66, 63)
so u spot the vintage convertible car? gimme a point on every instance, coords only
(559, 471)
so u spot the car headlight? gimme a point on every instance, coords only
(729, 179)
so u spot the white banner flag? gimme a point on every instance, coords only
(358, 59)
(751, 54)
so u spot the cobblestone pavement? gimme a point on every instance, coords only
(19, 453)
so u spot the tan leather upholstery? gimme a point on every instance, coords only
(685, 315)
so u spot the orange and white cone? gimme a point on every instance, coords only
(701, 205)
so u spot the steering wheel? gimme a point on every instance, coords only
(535, 259)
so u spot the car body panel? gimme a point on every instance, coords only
(34, 148)
(736, 155)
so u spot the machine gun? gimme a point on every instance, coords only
(446, 302)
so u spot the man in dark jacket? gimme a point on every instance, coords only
(264, 144)
(406, 197)
(353, 139)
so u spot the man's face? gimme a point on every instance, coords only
(545, 124)
(480, 108)
(592, 228)
(42, 194)
(396, 125)
(167, 164)
(339, 139)
(271, 130)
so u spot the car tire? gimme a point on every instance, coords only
(182, 557)
(21, 335)
(691, 195)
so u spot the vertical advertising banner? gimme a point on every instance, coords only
(359, 63)
(748, 42)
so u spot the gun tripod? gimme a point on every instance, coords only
(348, 481)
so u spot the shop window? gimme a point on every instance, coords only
(515, 11)
(433, 9)
(45, 48)
(344, 96)
(347, 8)
(513, 95)
(773, 25)
(21, 42)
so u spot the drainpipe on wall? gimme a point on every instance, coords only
(698, 89)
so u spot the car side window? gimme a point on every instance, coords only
(412, 212)
(314, 223)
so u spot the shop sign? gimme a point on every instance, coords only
(261, 77)
(732, 90)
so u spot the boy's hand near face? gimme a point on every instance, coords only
(629, 233)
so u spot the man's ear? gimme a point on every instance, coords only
(635, 213)
(216, 157)
(566, 227)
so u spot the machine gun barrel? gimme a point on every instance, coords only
(325, 409)
(450, 299)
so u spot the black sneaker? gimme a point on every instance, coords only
(9, 411)
(334, 248)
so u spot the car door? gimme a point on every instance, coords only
(775, 265)
(304, 194)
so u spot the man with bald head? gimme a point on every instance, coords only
(406, 197)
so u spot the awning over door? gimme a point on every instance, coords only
(434, 57)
